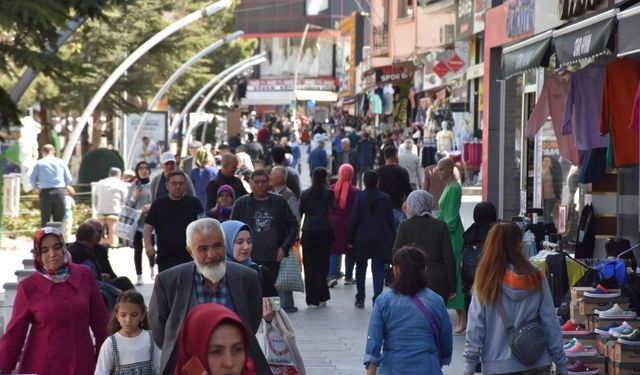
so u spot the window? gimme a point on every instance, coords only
(405, 8)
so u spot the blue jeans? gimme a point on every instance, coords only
(335, 261)
(398, 217)
(377, 269)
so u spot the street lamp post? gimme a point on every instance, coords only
(144, 48)
(174, 77)
(298, 58)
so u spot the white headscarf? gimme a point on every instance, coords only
(419, 203)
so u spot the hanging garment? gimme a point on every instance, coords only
(557, 276)
(635, 113)
(593, 166)
(584, 102)
(620, 84)
(553, 101)
(586, 238)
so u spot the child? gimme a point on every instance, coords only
(69, 203)
(226, 199)
(130, 349)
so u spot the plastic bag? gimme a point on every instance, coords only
(278, 344)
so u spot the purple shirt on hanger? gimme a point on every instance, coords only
(585, 101)
(552, 101)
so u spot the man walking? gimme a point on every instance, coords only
(366, 155)
(318, 157)
(158, 182)
(278, 156)
(169, 216)
(51, 176)
(206, 278)
(411, 163)
(348, 156)
(226, 176)
(187, 163)
(274, 226)
(394, 181)
(108, 198)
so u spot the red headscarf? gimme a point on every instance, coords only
(196, 331)
(341, 188)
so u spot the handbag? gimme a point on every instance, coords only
(434, 328)
(528, 342)
(127, 224)
(289, 278)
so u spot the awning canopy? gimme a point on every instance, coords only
(585, 39)
(318, 96)
(628, 40)
(526, 55)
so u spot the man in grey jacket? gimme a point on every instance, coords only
(208, 279)
(159, 180)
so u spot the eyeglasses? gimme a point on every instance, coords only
(177, 183)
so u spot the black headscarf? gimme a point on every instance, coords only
(484, 216)
(140, 180)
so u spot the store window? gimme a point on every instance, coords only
(405, 8)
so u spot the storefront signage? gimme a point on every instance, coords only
(475, 71)
(525, 55)
(441, 69)
(390, 74)
(456, 63)
(312, 84)
(479, 9)
(589, 41)
(520, 17)
(464, 19)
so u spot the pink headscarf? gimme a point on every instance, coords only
(341, 188)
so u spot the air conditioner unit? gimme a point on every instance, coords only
(447, 34)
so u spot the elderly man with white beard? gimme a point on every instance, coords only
(208, 279)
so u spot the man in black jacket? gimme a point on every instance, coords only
(225, 177)
(274, 225)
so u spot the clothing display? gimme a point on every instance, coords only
(553, 101)
(594, 165)
(584, 101)
(620, 84)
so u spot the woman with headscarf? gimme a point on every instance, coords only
(430, 235)
(213, 340)
(139, 198)
(58, 307)
(345, 195)
(225, 199)
(484, 216)
(203, 172)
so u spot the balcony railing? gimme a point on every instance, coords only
(380, 39)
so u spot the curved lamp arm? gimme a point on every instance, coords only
(216, 89)
(174, 77)
(144, 48)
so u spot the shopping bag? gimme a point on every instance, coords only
(289, 278)
(279, 346)
(127, 224)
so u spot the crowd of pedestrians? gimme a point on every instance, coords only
(219, 228)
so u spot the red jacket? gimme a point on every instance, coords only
(60, 316)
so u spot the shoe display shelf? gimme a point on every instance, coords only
(587, 305)
(594, 321)
(623, 359)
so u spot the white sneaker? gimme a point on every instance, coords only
(139, 281)
(616, 312)
(152, 274)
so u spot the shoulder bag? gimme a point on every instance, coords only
(436, 332)
(528, 342)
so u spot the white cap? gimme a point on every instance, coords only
(167, 157)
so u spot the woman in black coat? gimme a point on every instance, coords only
(371, 235)
(317, 236)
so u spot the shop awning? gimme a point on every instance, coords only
(628, 40)
(526, 55)
(585, 39)
(318, 96)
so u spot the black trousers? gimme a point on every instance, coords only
(137, 253)
(51, 204)
(315, 260)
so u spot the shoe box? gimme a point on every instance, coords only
(618, 352)
(594, 321)
(617, 368)
(588, 304)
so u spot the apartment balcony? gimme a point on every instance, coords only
(380, 43)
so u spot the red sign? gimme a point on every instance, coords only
(441, 69)
(456, 63)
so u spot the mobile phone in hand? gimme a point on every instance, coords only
(194, 367)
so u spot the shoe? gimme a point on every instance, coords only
(631, 339)
(623, 330)
(573, 341)
(605, 329)
(139, 281)
(290, 310)
(152, 274)
(322, 304)
(579, 350)
(580, 368)
(616, 312)
(571, 329)
(359, 304)
(602, 292)
(340, 275)
(332, 283)
(349, 282)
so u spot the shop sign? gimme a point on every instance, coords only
(520, 17)
(456, 63)
(390, 74)
(479, 9)
(589, 41)
(441, 69)
(286, 84)
(475, 71)
(464, 19)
